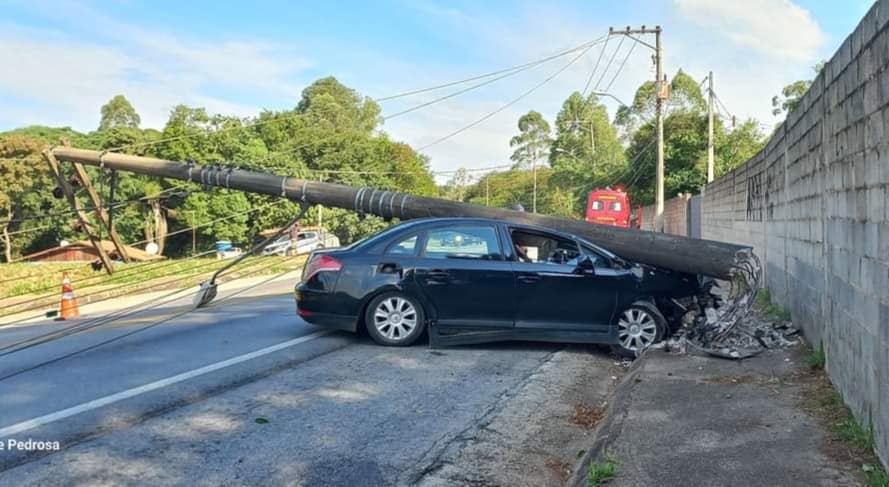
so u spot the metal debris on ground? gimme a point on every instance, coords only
(720, 321)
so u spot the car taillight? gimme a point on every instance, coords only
(321, 263)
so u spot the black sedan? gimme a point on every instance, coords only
(477, 280)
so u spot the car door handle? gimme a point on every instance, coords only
(438, 275)
(528, 278)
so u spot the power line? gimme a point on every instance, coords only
(27, 230)
(509, 104)
(505, 72)
(488, 75)
(719, 101)
(621, 67)
(130, 311)
(610, 61)
(124, 273)
(589, 80)
(116, 204)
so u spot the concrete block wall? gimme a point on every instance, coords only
(813, 204)
(675, 216)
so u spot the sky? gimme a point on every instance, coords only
(63, 59)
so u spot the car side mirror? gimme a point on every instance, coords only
(585, 266)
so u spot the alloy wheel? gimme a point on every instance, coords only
(636, 329)
(395, 318)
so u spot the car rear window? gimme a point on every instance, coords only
(463, 242)
(406, 246)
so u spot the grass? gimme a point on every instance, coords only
(602, 472)
(852, 440)
(816, 359)
(875, 475)
(769, 308)
(165, 274)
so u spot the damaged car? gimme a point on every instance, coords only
(472, 280)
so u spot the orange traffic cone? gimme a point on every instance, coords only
(69, 302)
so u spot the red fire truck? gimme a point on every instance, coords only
(609, 207)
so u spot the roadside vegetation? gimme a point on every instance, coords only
(769, 308)
(851, 439)
(602, 472)
(98, 286)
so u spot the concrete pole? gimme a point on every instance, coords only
(534, 200)
(675, 252)
(710, 168)
(659, 87)
(487, 190)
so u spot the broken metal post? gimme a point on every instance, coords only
(101, 214)
(56, 171)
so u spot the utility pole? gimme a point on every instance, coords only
(710, 170)
(487, 190)
(534, 200)
(320, 210)
(684, 254)
(194, 234)
(660, 86)
(661, 93)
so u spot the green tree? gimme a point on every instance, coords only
(685, 142)
(532, 142)
(455, 188)
(119, 113)
(332, 134)
(735, 147)
(586, 152)
(791, 94)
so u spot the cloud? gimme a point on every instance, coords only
(57, 78)
(776, 28)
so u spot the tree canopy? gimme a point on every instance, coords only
(332, 134)
(119, 113)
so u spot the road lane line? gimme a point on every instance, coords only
(129, 393)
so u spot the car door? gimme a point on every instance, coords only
(462, 273)
(552, 292)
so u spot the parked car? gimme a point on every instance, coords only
(281, 246)
(305, 242)
(486, 280)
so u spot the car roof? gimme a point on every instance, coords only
(459, 219)
(525, 226)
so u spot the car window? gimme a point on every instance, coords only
(539, 247)
(615, 206)
(462, 242)
(597, 205)
(406, 246)
(599, 261)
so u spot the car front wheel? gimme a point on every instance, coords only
(394, 319)
(639, 326)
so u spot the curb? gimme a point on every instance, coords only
(610, 427)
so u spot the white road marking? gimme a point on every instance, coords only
(120, 396)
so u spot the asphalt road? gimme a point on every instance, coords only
(247, 393)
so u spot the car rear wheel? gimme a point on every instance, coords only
(639, 326)
(394, 319)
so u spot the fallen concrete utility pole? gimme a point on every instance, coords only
(695, 256)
